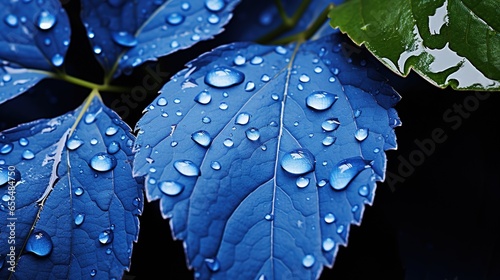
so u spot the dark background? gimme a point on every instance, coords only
(435, 217)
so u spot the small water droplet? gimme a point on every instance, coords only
(57, 60)
(6, 197)
(175, 19)
(108, 251)
(223, 106)
(103, 162)
(93, 272)
(174, 44)
(39, 243)
(73, 144)
(161, 101)
(215, 5)
(304, 78)
(170, 188)
(202, 138)
(302, 182)
(97, 49)
(250, 86)
(376, 150)
(321, 183)
(330, 124)
(186, 168)
(318, 69)
(223, 77)
(46, 20)
(331, 79)
(298, 162)
(79, 219)
(89, 118)
(363, 190)
(268, 217)
(263, 147)
(340, 229)
(335, 71)
(47, 41)
(308, 261)
(213, 19)
(239, 60)
(203, 97)
(185, 6)
(256, 60)
(228, 142)
(110, 131)
(124, 39)
(280, 50)
(6, 148)
(206, 120)
(344, 171)
(28, 154)
(275, 97)
(328, 244)
(6, 78)
(242, 119)
(253, 134)
(321, 100)
(361, 134)
(11, 20)
(354, 208)
(329, 218)
(215, 165)
(106, 237)
(329, 140)
(113, 147)
(93, 141)
(78, 191)
(265, 78)
(212, 264)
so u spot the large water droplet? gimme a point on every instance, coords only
(39, 243)
(361, 134)
(304, 78)
(212, 264)
(321, 100)
(11, 20)
(6, 148)
(9, 175)
(28, 154)
(202, 138)
(253, 134)
(79, 219)
(203, 97)
(175, 19)
(186, 168)
(328, 244)
(103, 162)
(46, 20)
(302, 182)
(242, 118)
(222, 77)
(308, 261)
(124, 39)
(329, 218)
(330, 124)
(170, 187)
(215, 5)
(228, 142)
(344, 171)
(106, 237)
(298, 162)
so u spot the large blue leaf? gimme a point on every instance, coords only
(128, 33)
(69, 205)
(34, 38)
(263, 156)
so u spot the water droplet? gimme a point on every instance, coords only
(103, 162)
(222, 77)
(280, 50)
(79, 219)
(110, 131)
(161, 101)
(298, 162)
(329, 140)
(57, 60)
(175, 19)
(39, 243)
(215, 5)
(265, 78)
(256, 60)
(340, 229)
(329, 218)
(6, 197)
(78, 191)
(97, 49)
(321, 100)
(275, 97)
(186, 168)
(213, 19)
(93, 272)
(93, 141)
(242, 118)
(108, 251)
(106, 237)
(223, 106)
(239, 60)
(11, 20)
(263, 147)
(344, 171)
(202, 138)
(308, 261)
(174, 44)
(330, 124)
(354, 208)
(376, 150)
(361, 134)
(304, 78)
(357, 113)
(73, 144)
(23, 142)
(6, 78)
(268, 217)
(318, 69)
(28, 154)
(215, 165)
(203, 97)
(89, 118)
(363, 191)
(206, 120)
(228, 142)
(6, 148)
(46, 20)
(250, 86)
(331, 79)
(170, 187)
(124, 39)
(9, 174)
(328, 244)
(302, 182)
(113, 147)
(253, 134)
(212, 264)
(185, 6)
(335, 71)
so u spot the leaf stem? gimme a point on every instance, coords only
(77, 81)
(88, 101)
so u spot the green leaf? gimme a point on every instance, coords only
(448, 42)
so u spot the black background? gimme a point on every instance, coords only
(435, 217)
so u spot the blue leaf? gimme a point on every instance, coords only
(263, 156)
(69, 204)
(34, 38)
(126, 33)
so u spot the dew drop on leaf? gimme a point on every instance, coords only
(328, 244)
(79, 219)
(28, 154)
(102, 162)
(344, 171)
(329, 218)
(308, 261)
(250, 86)
(239, 60)
(46, 20)
(202, 138)
(223, 77)
(78, 191)
(106, 237)
(113, 147)
(11, 20)
(256, 60)
(23, 142)
(215, 165)
(203, 97)
(363, 190)
(212, 264)
(175, 19)
(321, 100)
(39, 243)
(213, 19)
(298, 162)
(186, 168)
(215, 5)
(124, 39)
(361, 134)
(242, 119)
(171, 188)
(302, 182)
(330, 124)
(6, 148)
(57, 60)
(253, 134)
